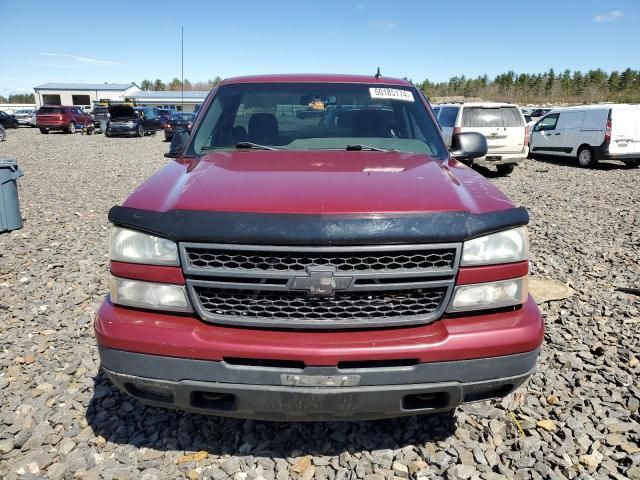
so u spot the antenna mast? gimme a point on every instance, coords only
(182, 68)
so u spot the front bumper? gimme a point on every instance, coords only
(182, 362)
(271, 393)
(498, 158)
(125, 131)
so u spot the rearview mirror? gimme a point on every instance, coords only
(468, 145)
(178, 144)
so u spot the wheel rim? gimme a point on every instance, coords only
(72, 128)
(584, 157)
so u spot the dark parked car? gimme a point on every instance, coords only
(177, 122)
(58, 117)
(129, 121)
(8, 121)
(100, 115)
(165, 114)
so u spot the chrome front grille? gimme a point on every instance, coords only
(298, 261)
(320, 287)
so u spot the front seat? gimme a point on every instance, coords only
(263, 129)
(370, 123)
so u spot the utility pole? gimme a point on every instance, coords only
(182, 68)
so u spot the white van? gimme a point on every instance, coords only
(590, 133)
(502, 124)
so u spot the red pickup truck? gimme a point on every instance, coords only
(308, 267)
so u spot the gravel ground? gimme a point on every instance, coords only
(60, 418)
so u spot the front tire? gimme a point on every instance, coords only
(585, 157)
(3, 135)
(632, 163)
(506, 168)
(71, 128)
(44, 130)
(140, 131)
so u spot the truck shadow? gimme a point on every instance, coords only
(604, 165)
(121, 419)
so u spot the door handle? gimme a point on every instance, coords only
(558, 133)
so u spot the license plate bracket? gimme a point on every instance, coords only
(294, 380)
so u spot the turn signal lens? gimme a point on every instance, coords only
(486, 296)
(156, 296)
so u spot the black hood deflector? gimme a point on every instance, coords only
(302, 229)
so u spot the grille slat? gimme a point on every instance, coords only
(296, 261)
(297, 306)
(278, 286)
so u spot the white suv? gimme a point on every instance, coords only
(501, 123)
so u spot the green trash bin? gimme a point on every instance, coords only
(10, 217)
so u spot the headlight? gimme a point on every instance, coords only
(137, 247)
(501, 247)
(156, 296)
(485, 296)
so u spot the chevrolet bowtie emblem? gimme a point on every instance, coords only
(320, 282)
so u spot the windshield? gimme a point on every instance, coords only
(318, 116)
(49, 110)
(177, 117)
(491, 117)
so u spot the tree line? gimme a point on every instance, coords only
(176, 84)
(18, 98)
(549, 87)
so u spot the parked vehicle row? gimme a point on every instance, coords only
(113, 120)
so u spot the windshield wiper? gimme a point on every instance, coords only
(357, 147)
(256, 146)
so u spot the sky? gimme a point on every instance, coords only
(124, 41)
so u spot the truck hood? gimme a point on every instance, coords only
(119, 112)
(317, 182)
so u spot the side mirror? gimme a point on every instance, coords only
(178, 144)
(468, 145)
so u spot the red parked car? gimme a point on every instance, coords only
(340, 266)
(68, 119)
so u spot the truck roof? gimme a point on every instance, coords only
(317, 78)
(478, 104)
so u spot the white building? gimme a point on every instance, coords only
(82, 94)
(170, 99)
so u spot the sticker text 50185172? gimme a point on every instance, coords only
(392, 94)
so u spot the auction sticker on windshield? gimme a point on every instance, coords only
(392, 93)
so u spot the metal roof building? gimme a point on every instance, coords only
(81, 94)
(170, 99)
